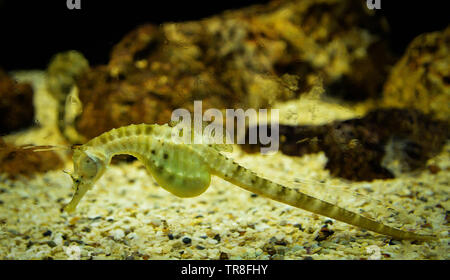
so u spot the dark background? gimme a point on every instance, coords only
(32, 31)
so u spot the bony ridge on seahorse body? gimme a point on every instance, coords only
(185, 170)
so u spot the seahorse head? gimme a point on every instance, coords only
(88, 168)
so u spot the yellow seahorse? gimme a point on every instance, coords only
(185, 170)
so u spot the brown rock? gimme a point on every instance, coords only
(16, 104)
(421, 79)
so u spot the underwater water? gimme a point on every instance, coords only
(357, 126)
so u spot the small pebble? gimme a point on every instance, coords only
(270, 250)
(156, 222)
(74, 220)
(187, 240)
(299, 226)
(324, 233)
(58, 239)
(118, 234)
(212, 241)
(281, 242)
(13, 231)
(217, 237)
(297, 247)
(223, 256)
(86, 229)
